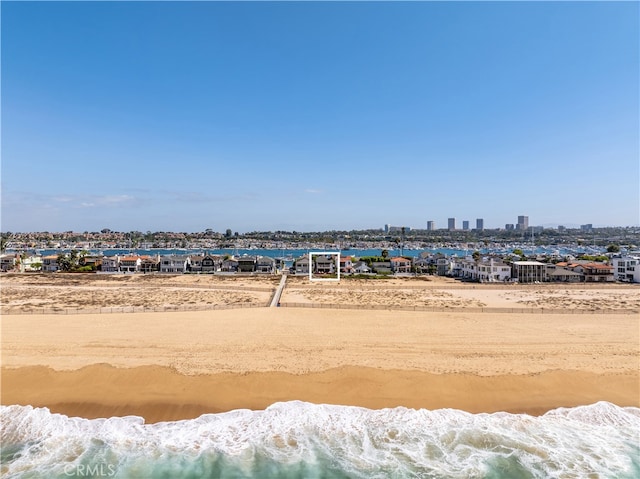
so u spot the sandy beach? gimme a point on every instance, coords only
(176, 365)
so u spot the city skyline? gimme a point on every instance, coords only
(318, 116)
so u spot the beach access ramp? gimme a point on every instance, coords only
(275, 301)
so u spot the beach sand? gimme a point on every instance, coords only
(177, 365)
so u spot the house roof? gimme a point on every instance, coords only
(597, 266)
(398, 259)
(130, 258)
(563, 272)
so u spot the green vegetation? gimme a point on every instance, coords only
(599, 259)
(73, 262)
(613, 248)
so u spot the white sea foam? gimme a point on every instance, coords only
(601, 440)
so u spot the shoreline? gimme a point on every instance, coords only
(162, 394)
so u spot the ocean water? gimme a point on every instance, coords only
(302, 440)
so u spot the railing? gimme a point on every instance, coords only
(131, 309)
(441, 309)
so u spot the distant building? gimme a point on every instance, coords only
(451, 224)
(465, 225)
(523, 223)
(509, 226)
(561, 228)
(387, 228)
(398, 229)
(431, 225)
(480, 224)
(587, 227)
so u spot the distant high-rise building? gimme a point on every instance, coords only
(509, 226)
(451, 222)
(480, 224)
(561, 228)
(387, 228)
(587, 227)
(523, 223)
(431, 225)
(465, 225)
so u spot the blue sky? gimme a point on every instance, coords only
(318, 115)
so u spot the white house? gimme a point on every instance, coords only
(110, 264)
(31, 263)
(626, 268)
(130, 264)
(174, 264)
(400, 265)
(50, 263)
(485, 270)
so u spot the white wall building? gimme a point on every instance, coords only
(485, 270)
(110, 264)
(626, 269)
(175, 264)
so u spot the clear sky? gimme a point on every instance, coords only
(168, 116)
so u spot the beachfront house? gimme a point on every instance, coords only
(195, 263)
(422, 265)
(50, 264)
(247, 264)
(174, 264)
(381, 267)
(560, 274)
(229, 265)
(444, 265)
(400, 265)
(149, 264)
(130, 264)
(529, 271)
(110, 264)
(596, 272)
(361, 268)
(301, 265)
(8, 262)
(93, 261)
(211, 264)
(324, 264)
(32, 262)
(626, 268)
(496, 270)
(346, 265)
(265, 264)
